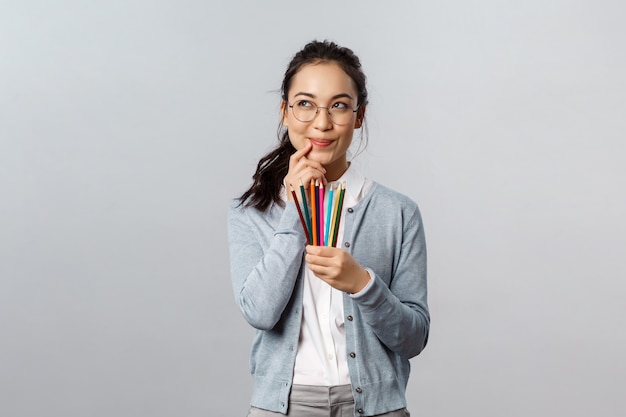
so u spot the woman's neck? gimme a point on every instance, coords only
(333, 173)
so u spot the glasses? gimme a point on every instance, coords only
(306, 111)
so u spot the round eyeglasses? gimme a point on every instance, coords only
(306, 111)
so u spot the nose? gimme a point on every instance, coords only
(322, 119)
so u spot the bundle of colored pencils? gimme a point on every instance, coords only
(321, 226)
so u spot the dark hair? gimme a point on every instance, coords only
(273, 167)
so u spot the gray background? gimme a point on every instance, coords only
(126, 127)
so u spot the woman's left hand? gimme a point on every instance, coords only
(337, 267)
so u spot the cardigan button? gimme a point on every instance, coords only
(352, 355)
(350, 318)
(350, 210)
(347, 244)
(360, 411)
(359, 390)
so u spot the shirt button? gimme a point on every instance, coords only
(350, 318)
(347, 244)
(352, 355)
(329, 357)
(350, 210)
(359, 390)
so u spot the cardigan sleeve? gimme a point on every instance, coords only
(398, 314)
(264, 276)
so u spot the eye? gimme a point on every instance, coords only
(340, 106)
(304, 103)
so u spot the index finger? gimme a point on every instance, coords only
(300, 153)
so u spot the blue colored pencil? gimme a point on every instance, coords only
(329, 209)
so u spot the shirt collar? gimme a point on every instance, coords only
(355, 181)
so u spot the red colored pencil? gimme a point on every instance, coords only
(306, 210)
(320, 204)
(295, 200)
(313, 213)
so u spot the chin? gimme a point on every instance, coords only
(323, 161)
(321, 157)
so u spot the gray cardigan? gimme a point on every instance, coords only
(385, 325)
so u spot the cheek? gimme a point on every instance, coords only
(296, 140)
(296, 135)
(347, 139)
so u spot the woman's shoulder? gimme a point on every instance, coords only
(388, 196)
(396, 207)
(239, 208)
(237, 203)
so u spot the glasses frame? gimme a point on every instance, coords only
(317, 110)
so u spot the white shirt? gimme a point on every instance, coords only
(321, 357)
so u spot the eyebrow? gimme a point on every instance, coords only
(336, 96)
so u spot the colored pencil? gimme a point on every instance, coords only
(321, 205)
(305, 205)
(317, 210)
(339, 208)
(295, 200)
(313, 213)
(329, 209)
(333, 219)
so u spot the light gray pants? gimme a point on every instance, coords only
(313, 401)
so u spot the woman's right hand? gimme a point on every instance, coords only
(303, 169)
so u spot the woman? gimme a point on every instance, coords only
(336, 326)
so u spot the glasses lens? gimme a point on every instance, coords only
(341, 115)
(304, 111)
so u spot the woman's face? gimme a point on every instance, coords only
(325, 85)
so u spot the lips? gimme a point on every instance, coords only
(321, 142)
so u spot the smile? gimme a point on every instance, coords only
(321, 142)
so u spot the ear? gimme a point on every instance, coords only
(283, 112)
(360, 115)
